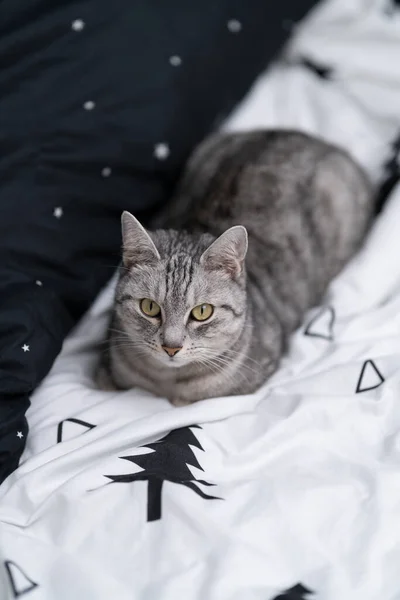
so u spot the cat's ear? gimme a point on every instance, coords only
(138, 247)
(228, 252)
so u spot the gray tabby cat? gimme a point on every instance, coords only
(261, 223)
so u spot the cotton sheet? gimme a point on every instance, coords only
(293, 492)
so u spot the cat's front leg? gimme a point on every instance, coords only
(103, 380)
(179, 401)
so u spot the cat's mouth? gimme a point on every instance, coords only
(172, 361)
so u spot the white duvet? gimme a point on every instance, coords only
(245, 498)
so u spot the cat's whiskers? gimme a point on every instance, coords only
(125, 339)
(139, 352)
(235, 352)
(126, 342)
(131, 341)
(210, 363)
(222, 364)
(118, 331)
(239, 367)
(115, 267)
(228, 351)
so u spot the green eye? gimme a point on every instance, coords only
(202, 312)
(150, 308)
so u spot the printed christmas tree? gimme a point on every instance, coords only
(170, 460)
(297, 592)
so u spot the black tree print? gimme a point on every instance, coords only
(297, 592)
(169, 462)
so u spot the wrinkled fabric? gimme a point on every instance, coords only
(293, 492)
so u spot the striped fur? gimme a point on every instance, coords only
(306, 206)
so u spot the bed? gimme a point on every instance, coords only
(293, 492)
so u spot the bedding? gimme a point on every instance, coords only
(293, 492)
(100, 104)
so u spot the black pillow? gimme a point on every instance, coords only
(100, 104)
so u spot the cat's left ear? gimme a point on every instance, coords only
(138, 247)
(228, 252)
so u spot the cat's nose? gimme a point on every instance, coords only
(171, 351)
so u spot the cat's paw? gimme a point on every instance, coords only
(179, 402)
(103, 380)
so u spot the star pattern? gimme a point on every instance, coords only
(58, 212)
(172, 457)
(78, 25)
(175, 61)
(234, 25)
(89, 105)
(106, 172)
(161, 151)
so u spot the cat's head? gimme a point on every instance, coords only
(181, 298)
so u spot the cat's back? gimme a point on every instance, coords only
(252, 177)
(224, 156)
(306, 205)
(222, 162)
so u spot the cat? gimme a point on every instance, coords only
(260, 224)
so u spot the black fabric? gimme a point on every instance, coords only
(87, 91)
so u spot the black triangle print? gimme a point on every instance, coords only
(322, 71)
(19, 581)
(321, 326)
(391, 175)
(297, 592)
(80, 424)
(370, 377)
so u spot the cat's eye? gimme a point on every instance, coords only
(202, 312)
(150, 308)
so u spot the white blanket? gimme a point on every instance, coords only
(297, 486)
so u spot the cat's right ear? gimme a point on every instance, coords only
(138, 247)
(227, 253)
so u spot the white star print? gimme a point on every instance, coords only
(20, 434)
(38, 282)
(78, 25)
(89, 105)
(106, 172)
(175, 61)
(58, 212)
(234, 25)
(161, 151)
(25, 348)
